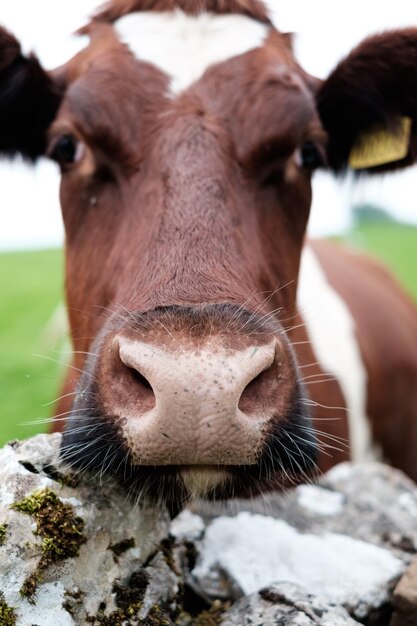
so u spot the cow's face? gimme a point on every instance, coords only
(185, 194)
(185, 208)
(186, 188)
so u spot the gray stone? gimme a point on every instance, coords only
(285, 604)
(252, 551)
(349, 538)
(71, 589)
(404, 598)
(328, 554)
(368, 501)
(163, 588)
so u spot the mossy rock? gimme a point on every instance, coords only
(7, 614)
(60, 529)
(3, 530)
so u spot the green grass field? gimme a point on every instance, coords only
(395, 244)
(30, 284)
(31, 289)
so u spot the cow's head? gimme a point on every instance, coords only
(187, 138)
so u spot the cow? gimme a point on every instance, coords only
(217, 352)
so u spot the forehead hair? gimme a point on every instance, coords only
(115, 9)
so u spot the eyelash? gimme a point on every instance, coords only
(307, 157)
(310, 157)
(67, 150)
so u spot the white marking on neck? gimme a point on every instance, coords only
(185, 46)
(332, 332)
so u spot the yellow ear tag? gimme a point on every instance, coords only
(380, 146)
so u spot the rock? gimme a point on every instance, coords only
(78, 552)
(285, 604)
(187, 526)
(405, 598)
(254, 551)
(70, 554)
(368, 501)
(347, 538)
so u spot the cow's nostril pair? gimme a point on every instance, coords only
(142, 363)
(194, 405)
(253, 394)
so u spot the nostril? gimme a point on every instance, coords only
(259, 394)
(136, 389)
(140, 378)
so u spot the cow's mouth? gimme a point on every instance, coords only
(288, 456)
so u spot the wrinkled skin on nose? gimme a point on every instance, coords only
(196, 418)
(191, 402)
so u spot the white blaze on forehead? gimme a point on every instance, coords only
(332, 332)
(185, 46)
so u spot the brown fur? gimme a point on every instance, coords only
(387, 330)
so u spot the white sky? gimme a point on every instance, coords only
(326, 31)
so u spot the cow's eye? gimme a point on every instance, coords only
(67, 150)
(310, 156)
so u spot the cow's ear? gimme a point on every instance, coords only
(368, 105)
(29, 99)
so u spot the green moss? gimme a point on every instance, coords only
(119, 548)
(213, 616)
(119, 617)
(61, 532)
(209, 617)
(73, 602)
(3, 528)
(7, 614)
(116, 618)
(156, 617)
(30, 585)
(128, 599)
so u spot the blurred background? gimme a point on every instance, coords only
(379, 216)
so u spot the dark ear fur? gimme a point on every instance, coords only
(372, 87)
(28, 101)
